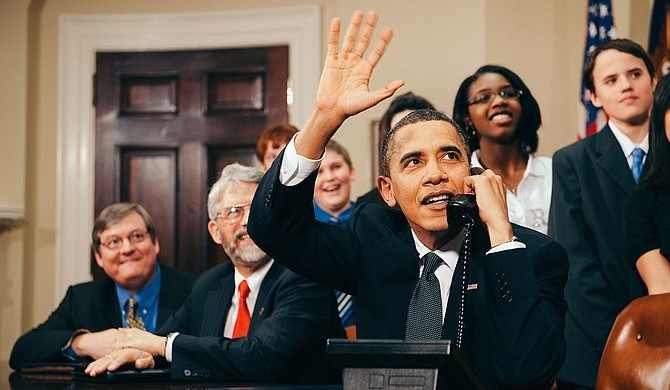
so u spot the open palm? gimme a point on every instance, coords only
(344, 87)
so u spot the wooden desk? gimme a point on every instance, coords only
(10, 380)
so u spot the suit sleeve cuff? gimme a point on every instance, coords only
(67, 349)
(295, 168)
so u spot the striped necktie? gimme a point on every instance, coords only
(345, 308)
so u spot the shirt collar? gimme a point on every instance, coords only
(626, 144)
(324, 216)
(146, 297)
(448, 252)
(255, 280)
(532, 167)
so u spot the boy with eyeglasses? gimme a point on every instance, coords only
(591, 182)
(85, 324)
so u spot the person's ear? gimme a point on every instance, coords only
(384, 185)
(654, 81)
(98, 259)
(467, 120)
(214, 232)
(157, 245)
(352, 173)
(595, 100)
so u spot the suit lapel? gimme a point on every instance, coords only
(396, 263)
(614, 165)
(475, 283)
(217, 305)
(262, 309)
(474, 286)
(110, 310)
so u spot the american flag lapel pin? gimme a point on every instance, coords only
(472, 286)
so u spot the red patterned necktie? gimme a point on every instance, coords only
(243, 317)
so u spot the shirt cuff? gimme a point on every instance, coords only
(295, 168)
(168, 346)
(67, 349)
(514, 243)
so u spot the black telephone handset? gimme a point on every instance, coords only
(462, 208)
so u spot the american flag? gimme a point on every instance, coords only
(599, 29)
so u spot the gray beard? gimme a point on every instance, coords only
(250, 255)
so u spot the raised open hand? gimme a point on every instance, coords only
(344, 86)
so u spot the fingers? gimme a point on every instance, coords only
(114, 361)
(334, 37)
(99, 366)
(388, 90)
(145, 362)
(380, 47)
(359, 44)
(366, 35)
(352, 32)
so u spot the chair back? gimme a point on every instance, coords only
(637, 353)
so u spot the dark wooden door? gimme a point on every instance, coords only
(168, 122)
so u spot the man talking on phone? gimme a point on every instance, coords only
(406, 265)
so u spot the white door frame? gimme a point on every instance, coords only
(81, 36)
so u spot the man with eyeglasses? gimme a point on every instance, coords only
(86, 323)
(274, 334)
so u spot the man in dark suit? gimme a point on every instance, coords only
(85, 323)
(591, 182)
(513, 315)
(290, 320)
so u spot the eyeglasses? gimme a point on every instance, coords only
(506, 93)
(116, 242)
(233, 214)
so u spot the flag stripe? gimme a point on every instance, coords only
(599, 29)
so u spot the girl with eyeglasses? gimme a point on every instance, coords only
(502, 118)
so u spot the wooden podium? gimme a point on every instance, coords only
(402, 365)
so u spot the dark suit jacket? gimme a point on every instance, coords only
(591, 183)
(514, 317)
(93, 306)
(373, 197)
(291, 321)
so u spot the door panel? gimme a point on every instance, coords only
(148, 179)
(168, 122)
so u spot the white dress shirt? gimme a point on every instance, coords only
(529, 206)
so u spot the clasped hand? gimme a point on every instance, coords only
(132, 346)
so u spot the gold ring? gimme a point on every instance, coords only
(108, 356)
